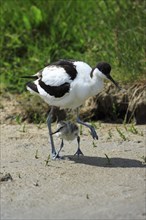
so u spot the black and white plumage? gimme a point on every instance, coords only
(67, 84)
(67, 130)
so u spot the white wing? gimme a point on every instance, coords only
(55, 76)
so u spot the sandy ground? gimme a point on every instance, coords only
(89, 187)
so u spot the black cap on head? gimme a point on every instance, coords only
(104, 67)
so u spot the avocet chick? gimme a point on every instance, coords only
(67, 130)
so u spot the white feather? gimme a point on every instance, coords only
(55, 76)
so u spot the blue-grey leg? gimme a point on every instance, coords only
(61, 146)
(54, 155)
(79, 152)
(92, 129)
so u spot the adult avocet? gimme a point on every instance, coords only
(67, 84)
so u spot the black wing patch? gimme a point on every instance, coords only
(68, 66)
(57, 91)
(32, 86)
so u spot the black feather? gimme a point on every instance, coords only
(57, 91)
(68, 66)
(32, 86)
(29, 77)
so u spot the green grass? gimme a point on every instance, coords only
(37, 32)
(110, 135)
(93, 143)
(121, 134)
(47, 160)
(108, 160)
(36, 154)
(132, 128)
(23, 128)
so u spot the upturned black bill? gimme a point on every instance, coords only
(113, 81)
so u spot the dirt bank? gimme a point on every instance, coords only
(110, 105)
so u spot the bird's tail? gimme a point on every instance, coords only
(30, 77)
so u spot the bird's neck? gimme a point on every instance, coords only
(97, 82)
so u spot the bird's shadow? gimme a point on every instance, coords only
(104, 162)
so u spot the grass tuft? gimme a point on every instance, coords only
(110, 135)
(36, 154)
(47, 160)
(122, 135)
(93, 143)
(108, 160)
